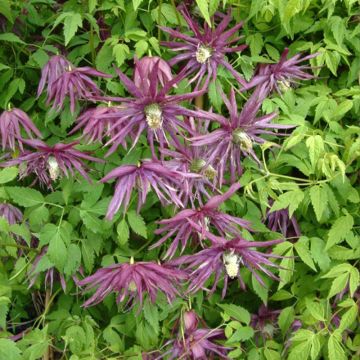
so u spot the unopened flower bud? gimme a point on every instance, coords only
(190, 321)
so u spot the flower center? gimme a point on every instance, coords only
(203, 53)
(197, 165)
(231, 262)
(153, 115)
(243, 139)
(284, 85)
(53, 167)
(132, 286)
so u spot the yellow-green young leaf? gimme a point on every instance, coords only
(123, 232)
(339, 230)
(315, 144)
(319, 200)
(348, 318)
(290, 199)
(71, 24)
(354, 280)
(287, 268)
(213, 6)
(204, 9)
(120, 52)
(10, 37)
(155, 45)
(332, 59)
(286, 318)
(302, 248)
(270, 355)
(335, 350)
(137, 223)
(73, 260)
(338, 284)
(342, 109)
(316, 310)
(136, 4)
(293, 140)
(9, 350)
(8, 174)
(92, 5)
(141, 48)
(300, 351)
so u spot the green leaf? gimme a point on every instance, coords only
(71, 24)
(338, 285)
(242, 334)
(120, 52)
(5, 9)
(302, 248)
(290, 199)
(287, 268)
(204, 9)
(319, 200)
(57, 251)
(137, 223)
(319, 254)
(213, 94)
(213, 6)
(73, 260)
(316, 310)
(151, 314)
(348, 318)
(123, 232)
(141, 47)
(10, 37)
(136, 3)
(9, 350)
(25, 196)
(315, 144)
(237, 312)
(354, 280)
(8, 174)
(335, 350)
(339, 230)
(286, 318)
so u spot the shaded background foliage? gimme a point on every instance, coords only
(314, 174)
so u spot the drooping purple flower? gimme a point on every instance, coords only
(186, 223)
(206, 50)
(95, 124)
(280, 221)
(226, 257)
(196, 343)
(280, 76)
(11, 122)
(265, 322)
(144, 68)
(152, 110)
(63, 80)
(144, 176)
(237, 134)
(48, 163)
(10, 213)
(133, 280)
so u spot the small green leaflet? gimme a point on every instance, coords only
(319, 200)
(9, 350)
(335, 350)
(315, 144)
(25, 196)
(72, 21)
(8, 174)
(136, 4)
(339, 230)
(137, 223)
(5, 9)
(236, 312)
(10, 37)
(302, 248)
(242, 334)
(204, 9)
(290, 199)
(123, 232)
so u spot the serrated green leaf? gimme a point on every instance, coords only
(5, 9)
(123, 232)
(73, 260)
(120, 52)
(338, 284)
(290, 199)
(315, 144)
(141, 48)
(242, 334)
(137, 223)
(25, 196)
(286, 318)
(204, 9)
(236, 312)
(151, 315)
(10, 37)
(335, 350)
(354, 280)
(348, 318)
(302, 248)
(319, 200)
(9, 350)
(339, 230)
(71, 24)
(136, 3)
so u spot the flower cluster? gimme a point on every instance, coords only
(193, 154)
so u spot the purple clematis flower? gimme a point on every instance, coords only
(226, 257)
(196, 343)
(280, 76)
(236, 134)
(206, 50)
(131, 280)
(265, 322)
(95, 124)
(144, 68)
(10, 213)
(187, 222)
(49, 163)
(280, 221)
(11, 122)
(150, 110)
(64, 79)
(147, 174)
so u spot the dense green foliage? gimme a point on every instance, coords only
(314, 173)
